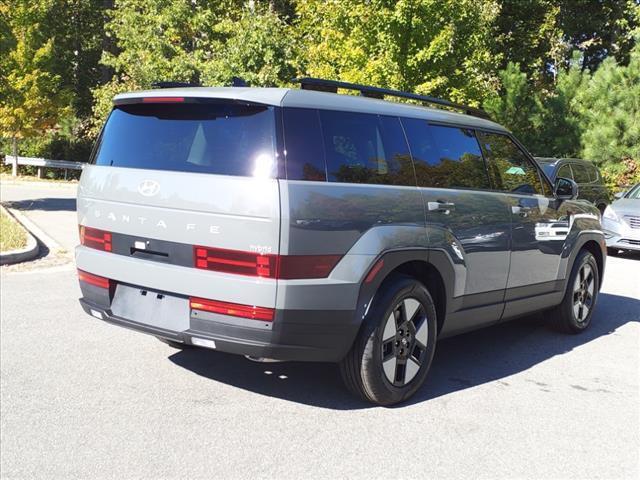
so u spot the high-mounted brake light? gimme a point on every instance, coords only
(95, 238)
(94, 280)
(163, 99)
(264, 265)
(232, 309)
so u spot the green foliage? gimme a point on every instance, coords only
(32, 99)
(563, 75)
(609, 108)
(440, 48)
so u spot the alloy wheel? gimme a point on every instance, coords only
(404, 341)
(583, 290)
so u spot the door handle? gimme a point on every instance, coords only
(440, 206)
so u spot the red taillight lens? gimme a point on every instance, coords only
(234, 261)
(94, 238)
(233, 309)
(93, 279)
(269, 266)
(163, 99)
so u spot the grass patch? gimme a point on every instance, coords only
(12, 235)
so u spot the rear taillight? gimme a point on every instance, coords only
(94, 238)
(260, 265)
(94, 280)
(234, 261)
(232, 309)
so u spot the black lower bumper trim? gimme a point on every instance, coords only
(317, 337)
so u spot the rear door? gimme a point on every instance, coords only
(464, 218)
(172, 175)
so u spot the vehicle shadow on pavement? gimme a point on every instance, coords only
(460, 362)
(44, 204)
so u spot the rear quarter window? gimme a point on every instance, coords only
(218, 138)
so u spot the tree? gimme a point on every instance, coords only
(33, 100)
(201, 41)
(441, 48)
(514, 105)
(609, 107)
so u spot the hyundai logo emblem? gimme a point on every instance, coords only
(149, 188)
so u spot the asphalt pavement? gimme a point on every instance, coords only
(83, 399)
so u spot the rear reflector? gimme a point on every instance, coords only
(92, 279)
(374, 271)
(94, 238)
(268, 266)
(294, 267)
(232, 309)
(162, 99)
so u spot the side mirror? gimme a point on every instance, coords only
(565, 189)
(619, 194)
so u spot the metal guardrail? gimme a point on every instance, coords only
(40, 163)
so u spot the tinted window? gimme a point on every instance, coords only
(580, 173)
(445, 157)
(509, 167)
(216, 138)
(548, 168)
(363, 148)
(565, 172)
(594, 174)
(303, 144)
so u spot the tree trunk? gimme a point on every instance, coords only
(14, 166)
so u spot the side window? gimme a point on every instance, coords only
(303, 144)
(565, 172)
(594, 173)
(365, 148)
(445, 157)
(509, 167)
(580, 172)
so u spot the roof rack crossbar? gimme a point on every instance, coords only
(310, 83)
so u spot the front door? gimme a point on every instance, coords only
(538, 231)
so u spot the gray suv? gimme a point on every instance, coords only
(302, 224)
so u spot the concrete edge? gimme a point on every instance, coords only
(21, 254)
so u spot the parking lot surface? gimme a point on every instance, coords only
(81, 398)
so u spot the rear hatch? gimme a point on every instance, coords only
(181, 197)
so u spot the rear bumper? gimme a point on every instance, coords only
(303, 335)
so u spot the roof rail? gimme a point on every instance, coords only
(319, 84)
(174, 84)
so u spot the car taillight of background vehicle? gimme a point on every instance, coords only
(95, 238)
(253, 264)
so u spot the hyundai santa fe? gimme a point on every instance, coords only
(308, 225)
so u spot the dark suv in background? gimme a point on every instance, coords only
(590, 184)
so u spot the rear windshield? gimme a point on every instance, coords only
(220, 138)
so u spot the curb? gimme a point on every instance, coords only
(21, 254)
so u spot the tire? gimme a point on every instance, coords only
(176, 345)
(392, 353)
(574, 314)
